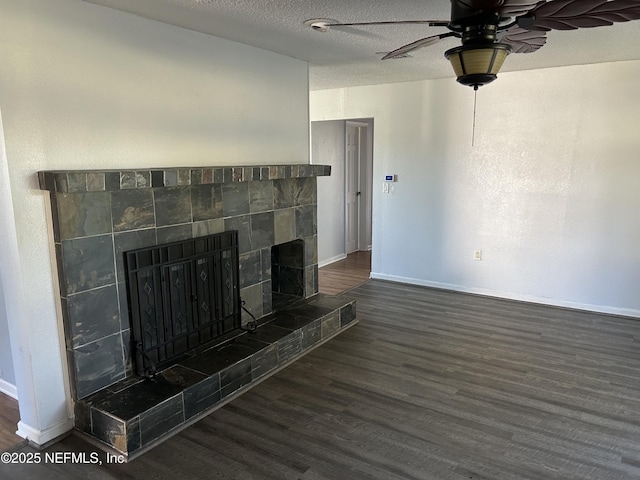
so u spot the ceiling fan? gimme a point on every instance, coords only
(491, 29)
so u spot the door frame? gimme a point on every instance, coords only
(365, 183)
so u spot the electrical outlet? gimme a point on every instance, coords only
(477, 254)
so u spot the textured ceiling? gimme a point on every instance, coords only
(351, 56)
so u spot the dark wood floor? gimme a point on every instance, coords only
(9, 418)
(346, 274)
(429, 385)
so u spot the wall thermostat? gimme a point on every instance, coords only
(390, 178)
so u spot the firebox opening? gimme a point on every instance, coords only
(287, 271)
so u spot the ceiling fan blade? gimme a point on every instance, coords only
(508, 8)
(513, 8)
(430, 23)
(523, 41)
(573, 14)
(423, 42)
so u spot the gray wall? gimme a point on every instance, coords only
(327, 148)
(6, 362)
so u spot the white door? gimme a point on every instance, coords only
(352, 188)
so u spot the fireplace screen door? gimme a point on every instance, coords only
(181, 295)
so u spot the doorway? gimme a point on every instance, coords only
(344, 198)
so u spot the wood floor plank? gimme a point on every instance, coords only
(9, 418)
(345, 274)
(429, 384)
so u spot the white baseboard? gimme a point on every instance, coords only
(43, 437)
(8, 389)
(627, 312)
(331, 260)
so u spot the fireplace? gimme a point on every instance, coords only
(260, 223)
(181, 295)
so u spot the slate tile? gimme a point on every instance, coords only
(217, 359)
(306, 191)
(311, 280)
(202, 396)
(93, 315)
(127, 180)
(207, 202)
(250, 268)
(98, 364)
(143, 179)
(77, 181)
(260, 196)
(161, 419)
(184, 177)
(290, 321)
(157, 178)
(311, 334)
(243, 225)
(267, 297)
(139, 398)
(330, 324)
(108, 429)
(95, 181)
(134, 442)
(112, 181)
(284, 195)
(171, 178)
(284, 225)
(306, 221)
(289, 347)
(235, 199)
(261, 230)
(310, 250)
(264, 361)
(88, 263)
(270, 333)
(172, 206)
(252, 296)
(132, 210)
(234, 377)
(83, 214)
(347, 314)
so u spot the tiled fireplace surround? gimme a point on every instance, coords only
(99, 215)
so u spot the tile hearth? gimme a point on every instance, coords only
(135, 414)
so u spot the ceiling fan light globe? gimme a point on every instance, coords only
(477, 65)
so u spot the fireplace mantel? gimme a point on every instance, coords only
(79, 181)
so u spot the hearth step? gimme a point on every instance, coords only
(134, 415)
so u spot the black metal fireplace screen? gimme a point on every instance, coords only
(181, 295)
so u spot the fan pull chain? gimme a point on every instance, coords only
(473, 132)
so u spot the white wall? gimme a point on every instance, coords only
(83, 86)
(550, 190)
